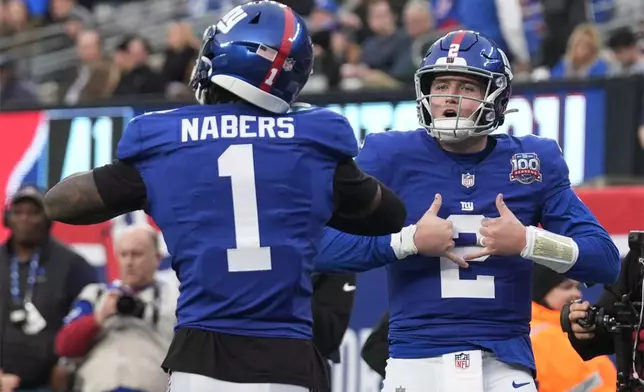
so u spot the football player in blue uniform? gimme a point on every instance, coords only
(242, 187)
(459, 274)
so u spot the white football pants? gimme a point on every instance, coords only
(186, 382)
(471, 371)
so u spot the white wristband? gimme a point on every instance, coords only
(402, 243)
(557, 252)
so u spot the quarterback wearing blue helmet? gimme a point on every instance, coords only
(242, 187)
(261, 52)
(472, 55)
(459, 273)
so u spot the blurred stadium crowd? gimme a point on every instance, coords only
(72, 51)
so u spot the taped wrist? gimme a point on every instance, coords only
(402, 243)
(554, 251)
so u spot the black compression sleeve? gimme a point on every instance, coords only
(364, 206)
(120, 186)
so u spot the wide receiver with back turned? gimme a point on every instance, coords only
(242, 187)
(459, 274)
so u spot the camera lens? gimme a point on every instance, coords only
(125, 305)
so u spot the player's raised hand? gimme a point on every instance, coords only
(435, 236)
(502, 236)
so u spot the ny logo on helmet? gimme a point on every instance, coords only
(229, 20)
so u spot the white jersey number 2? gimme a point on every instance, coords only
(452, 286)
(237, 163)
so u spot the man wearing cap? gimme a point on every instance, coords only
(39, 279)
(559, 367)
(13, 89)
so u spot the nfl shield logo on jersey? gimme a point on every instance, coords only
(467, 180)
(400, 389)
(526, 168)
(462, 361)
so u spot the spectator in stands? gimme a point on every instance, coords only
(74, 24)
(358, 18)
(627, 53)
(74, 19)
(17, 18)
(40, 278)
(382, 52)
(560, 19)
(122, 332)
(121, 62)
(90, 80)
(137, 77)
(418, 22)
(499, 20)
(37, 8)
(180, 54)
(559, 367)
(583, 58)
(61, 10)
(330, 42)
(13, 89)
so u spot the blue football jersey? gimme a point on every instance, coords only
(435, 306)
(242, 197)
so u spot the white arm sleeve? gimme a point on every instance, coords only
(554, 251)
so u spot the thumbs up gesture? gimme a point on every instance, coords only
(435, 236)
(502, 236)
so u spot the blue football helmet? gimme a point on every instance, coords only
(464, 53)
(260, 51)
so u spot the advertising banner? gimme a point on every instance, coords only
(575, 117)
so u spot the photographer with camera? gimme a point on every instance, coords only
(614, 324)
(122, 332)
(559, 368)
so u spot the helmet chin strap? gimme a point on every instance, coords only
(450, 129)
(445, 129)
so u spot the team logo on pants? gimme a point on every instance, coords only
(462, 361)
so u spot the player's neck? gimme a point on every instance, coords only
(470, 145)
